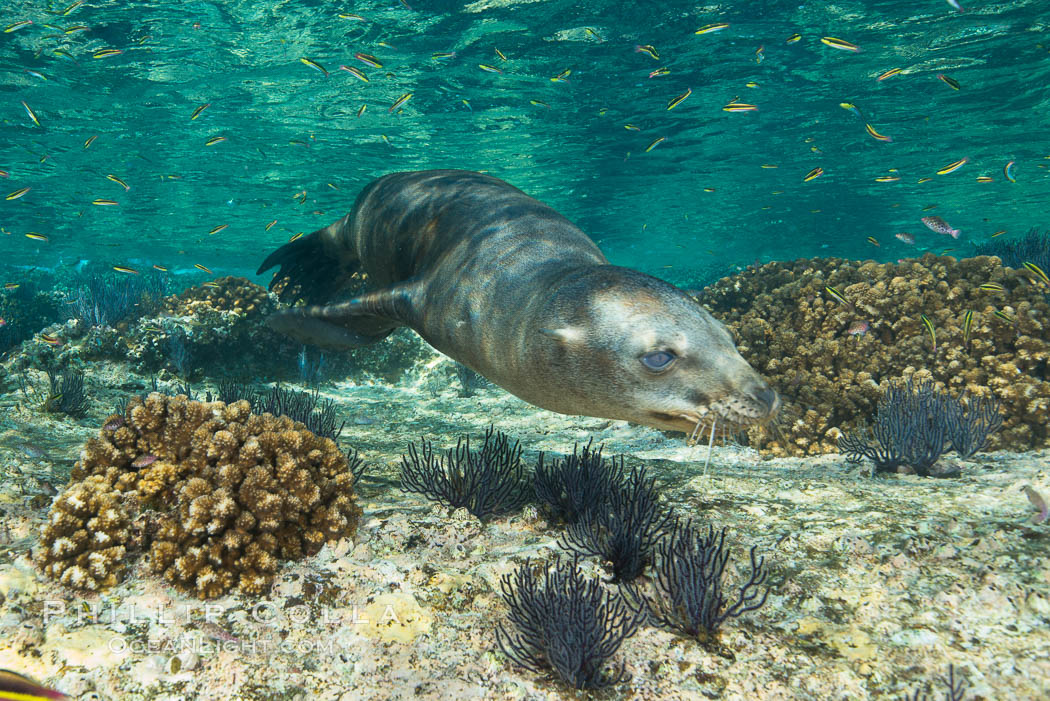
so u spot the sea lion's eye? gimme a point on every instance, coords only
(658, 360)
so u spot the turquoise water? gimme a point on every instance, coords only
(292, 131)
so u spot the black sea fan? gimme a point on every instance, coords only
(956, 690)
(571, 486)
(911, 428)
(487, 482)
(690, 574)
(622, 528)
(970, 421)
(565, 622)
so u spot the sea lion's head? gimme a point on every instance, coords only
(624, 345)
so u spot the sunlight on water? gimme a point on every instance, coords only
(297, 147)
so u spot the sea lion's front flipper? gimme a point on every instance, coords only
(358, 322)
(314, 267)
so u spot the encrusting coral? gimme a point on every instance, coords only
(832, 359)
(220, 494)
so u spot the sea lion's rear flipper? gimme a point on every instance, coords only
(359, 322)
(314, 267)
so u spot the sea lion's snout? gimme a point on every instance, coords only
(765, 396)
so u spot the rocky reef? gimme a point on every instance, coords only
(217, 495)
(830, 334)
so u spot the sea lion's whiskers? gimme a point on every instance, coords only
(696, 430)
(711, 442)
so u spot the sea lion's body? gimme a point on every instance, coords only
(507, 286)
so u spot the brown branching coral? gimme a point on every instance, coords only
(84, 541)
(228, 294)
(224, 494)
(831, 361)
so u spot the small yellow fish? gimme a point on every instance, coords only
(815, 173)
(1038, 272)
(295, 237)
(793, 38)
(217, 229)
(708, 28)
(198, 266)
(876, 135)
(924, 180)
(593, 33)
(161, 268)
(991, 287)
(18, 193)
(889, 74)
(769, 165)
(78, 28)
(659, 72)
(500, 54)
(873, 241)
(356, 72)
(351, 15)
(106, 53)
(51, 341)
(631, 127)
(1008, 172)
(998, 233)
(270, 225)
(837, 296)
(850, 107)
(442, 55)
(90, 140)
(66, 12)
(11, 285)
(739, 107)
(929, 327)
(200, 108)
(400, 101)
(31, 113)
(118, 181)
(985, 179)
(214, 140)
(368, 60)
(967, 323)
(887, 178)
(839, 44)
(15, 26)
(539, 103)
(105, 203)
(315, 65)
(655, 143)
(36, 74)
(489, 69)
(952, 167)
(210, 284)
(647, 49)
(361, 110)
(1004, 316)
(675, 101)
(35, 236)
(562, 77)
(950, 82)
(126, 269)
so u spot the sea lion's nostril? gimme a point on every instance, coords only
(766, 396)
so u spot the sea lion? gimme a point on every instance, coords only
(510, 288)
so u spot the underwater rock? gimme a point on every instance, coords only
(223, 497)
(792, 328)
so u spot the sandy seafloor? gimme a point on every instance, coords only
(877, 584)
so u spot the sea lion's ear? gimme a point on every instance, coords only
(567, 335)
